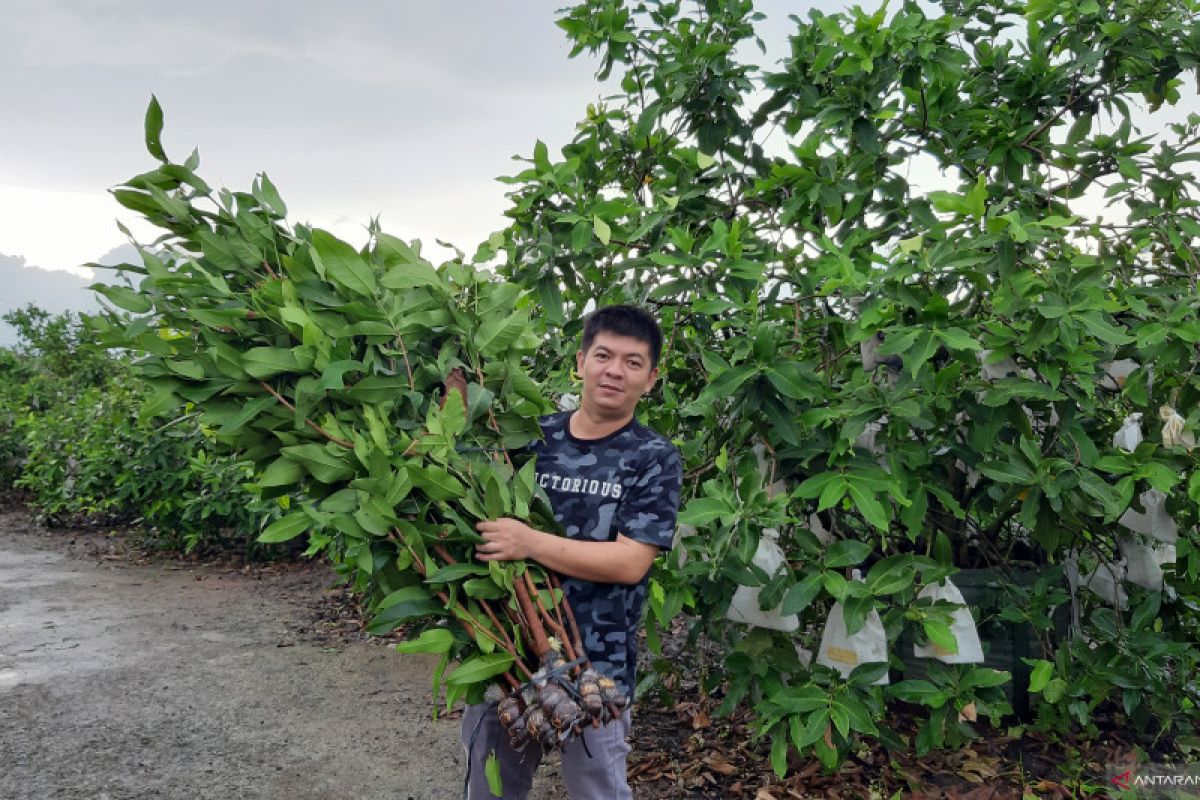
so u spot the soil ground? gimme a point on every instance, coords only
(127, 677)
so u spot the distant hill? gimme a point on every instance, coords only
(53, 290)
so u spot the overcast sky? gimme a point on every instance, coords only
(404, 109)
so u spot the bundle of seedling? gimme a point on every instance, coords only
(386, 404)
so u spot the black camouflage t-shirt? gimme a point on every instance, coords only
(628, 483)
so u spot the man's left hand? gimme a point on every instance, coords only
(505, 539)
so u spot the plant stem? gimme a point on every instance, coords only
(555, 583)
(487, 608)
(407, 366)
(536, 631)
(471, 626)
(307, 421)
(555, 626)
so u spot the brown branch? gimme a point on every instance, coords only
(554, 625)
(536, 631)
(556, 584)
(270, 271)
(307, 421)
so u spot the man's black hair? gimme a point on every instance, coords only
(625, 320)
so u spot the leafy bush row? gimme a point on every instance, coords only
(76, 438)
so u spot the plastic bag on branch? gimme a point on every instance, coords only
(962, 625)
(1154, 521)
(1174, 432)
(1130, 434)
(744, 607)
(844, 651)
(1116, 373)
(995, 369)
(1105, 581)
(1142, 566)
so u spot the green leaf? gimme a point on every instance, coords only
(1007, 472)
(704, 510)
(957, 339)
(948, 202)
(841, 720)
(846, 553)
(919, 692)
(343, 265)
(282, 471)
(725, 384)
(1146, 611)
(154, 127)
(188, 369)
(247, 413)
(985, 677)
(456, 572)
(866, 135)
(491, 771)
(815, 485)
(833, 492)
(286, 528)
(497, 334)
(890, 575)
(541, 162)
(801, 594)
(799, 699)
(813, 731)
(405, 604)
(779, 748)
(789, 381)
(323, 464)
(872, 510)
(265, 362)
(434, 640)
(124, 298)
(923, 348)
(437, 483)
(1040, 675)
(940, 635)
(411, 275)
(479, 669)
(601, 229)
(835, 584)
(866, 675)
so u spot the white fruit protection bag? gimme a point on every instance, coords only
(1130, 434)
(744, 606)
(962, 625)
(843, 652)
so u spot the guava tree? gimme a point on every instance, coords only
(914, 277)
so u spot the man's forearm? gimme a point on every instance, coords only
(621, 561)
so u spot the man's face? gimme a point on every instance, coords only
(616, 372)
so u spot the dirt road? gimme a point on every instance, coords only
(122, 680)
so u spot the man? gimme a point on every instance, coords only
(614, 487)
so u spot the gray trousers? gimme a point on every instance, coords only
(598, 777)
